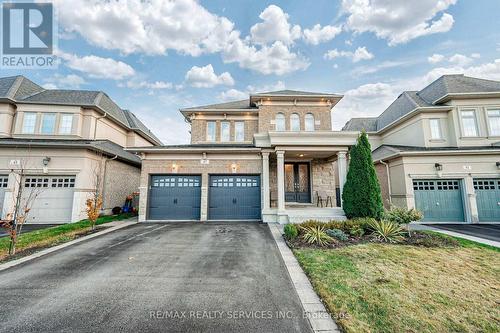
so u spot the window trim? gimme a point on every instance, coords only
(488, 117)
(242, 123)
(222, 124)
(311, 118)
(61, 118)
(210, 139)
(283, 118)
(294, 117)
(439, 129)
(54, 126)
(23, 128)
(474, 111)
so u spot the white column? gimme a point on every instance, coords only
(265, 182)
(342, 166)
(281, 180)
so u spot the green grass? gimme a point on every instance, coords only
(54, 235)
(402, 288)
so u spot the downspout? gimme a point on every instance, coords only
(104, 177)
(96, 119)
(388, 180)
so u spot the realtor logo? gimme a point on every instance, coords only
(28, 35)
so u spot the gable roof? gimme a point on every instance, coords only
(235, 105)
(359, 124)
(21, 90)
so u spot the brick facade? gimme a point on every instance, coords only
(199, 130)
(267, 114)
(120, 181)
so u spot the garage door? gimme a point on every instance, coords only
(439, 200)
(54, 198)
(488, 199)
(234, 197)
(174, 197)
(4, 180)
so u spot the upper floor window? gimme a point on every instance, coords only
(225, 133)
(469, 123)
(295, 122)
(210, 130)
(494, 122)
(280, 122)
(48, 125)
(66, 124)
(435, 129)
(29, 123)
(309, 122)
(239, 131)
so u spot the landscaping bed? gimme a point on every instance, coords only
(34, 241)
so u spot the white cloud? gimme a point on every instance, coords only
(398, 21)
(361, 53)
(274, 27)
(475, 55)
(320, 34)
(435, 58)
(460, 60)
(205, 77)
(58, 81)
(156, 85)
(97, 67)
(234, 94)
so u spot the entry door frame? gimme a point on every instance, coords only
(296, 164)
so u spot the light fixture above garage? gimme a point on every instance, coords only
(46, 161)
(301, 155)
(175, 168)
(438, 167)
(498, 165)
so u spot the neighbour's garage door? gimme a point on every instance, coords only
(51, 198)
(234, 197)
(439, 200)
(4, 180)
(175, 197)
(488, 199)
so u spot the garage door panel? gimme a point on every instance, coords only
(439, 200)
(488, 199)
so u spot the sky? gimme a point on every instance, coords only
(155, 57)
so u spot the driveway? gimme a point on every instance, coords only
(28, 228)
(486, 231)
(183, 277)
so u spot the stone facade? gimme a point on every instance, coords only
(199, 130)
(267, 115)
(120, 181)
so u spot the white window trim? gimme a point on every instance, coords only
(439, 128)
(276, 122)
(313, 122)
(208, 138)
(475, 122)
(222, 138)
(490, 134)
(24, 122)
(236, 123)
(55, 123)
(291, 122)
(61, 117)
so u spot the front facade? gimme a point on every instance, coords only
(438, 150)
(272, 157)
(62, 139)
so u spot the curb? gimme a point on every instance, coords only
(118, 225)
(319, 318)
(458, 235)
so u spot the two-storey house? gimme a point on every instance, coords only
(271, 157)
(438, 149)
(64, 140)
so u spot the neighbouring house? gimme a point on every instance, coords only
(438, 149)
(63, 138)
(271, 157)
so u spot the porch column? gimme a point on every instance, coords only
(281, 180)
(265, 182)
(342, 166)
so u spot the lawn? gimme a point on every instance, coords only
(402, 288)
(52, 236)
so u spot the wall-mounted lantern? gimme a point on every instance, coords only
(175, 168)
(46, 161)
(234, 168)
(498, 165)
(438, 167)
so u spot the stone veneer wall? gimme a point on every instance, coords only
(120, 181)
(267, 114)
(199, 130)
(252, 164)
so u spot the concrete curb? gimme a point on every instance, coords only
(116, 225)
(319, 318)
(456, 234)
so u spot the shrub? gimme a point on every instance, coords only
(401, 215)
(291, 231)
(386, 231)
(362, 196)
(316, 235)
(337, 233)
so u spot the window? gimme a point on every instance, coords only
(469, 123)
(494, 121)
(66, 124)
(225, 133)
(29, 122)
(294, 122)
(48, 123)
(280, 122)
(210, 130)
(309, 122)
(239, 131)
(435, 129)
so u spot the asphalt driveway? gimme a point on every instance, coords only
(486, 231)
(181, 277)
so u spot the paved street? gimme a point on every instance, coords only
(486, 231)
(182, 277)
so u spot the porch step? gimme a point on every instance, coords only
(298, 215)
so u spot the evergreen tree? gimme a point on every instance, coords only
(362, 196)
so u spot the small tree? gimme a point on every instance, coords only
(362, 196)
(94, 203)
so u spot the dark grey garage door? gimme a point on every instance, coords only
(174, 197)
(439, 200)
(488, 199)
(234, 197)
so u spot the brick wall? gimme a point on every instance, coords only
(199, 130)
(267, 113)
(120, 181)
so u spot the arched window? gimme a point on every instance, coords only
(309, 122)
(294, 122)
(280, 122)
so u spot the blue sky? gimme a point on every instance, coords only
(154, 57)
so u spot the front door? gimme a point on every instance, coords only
(297, 186)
